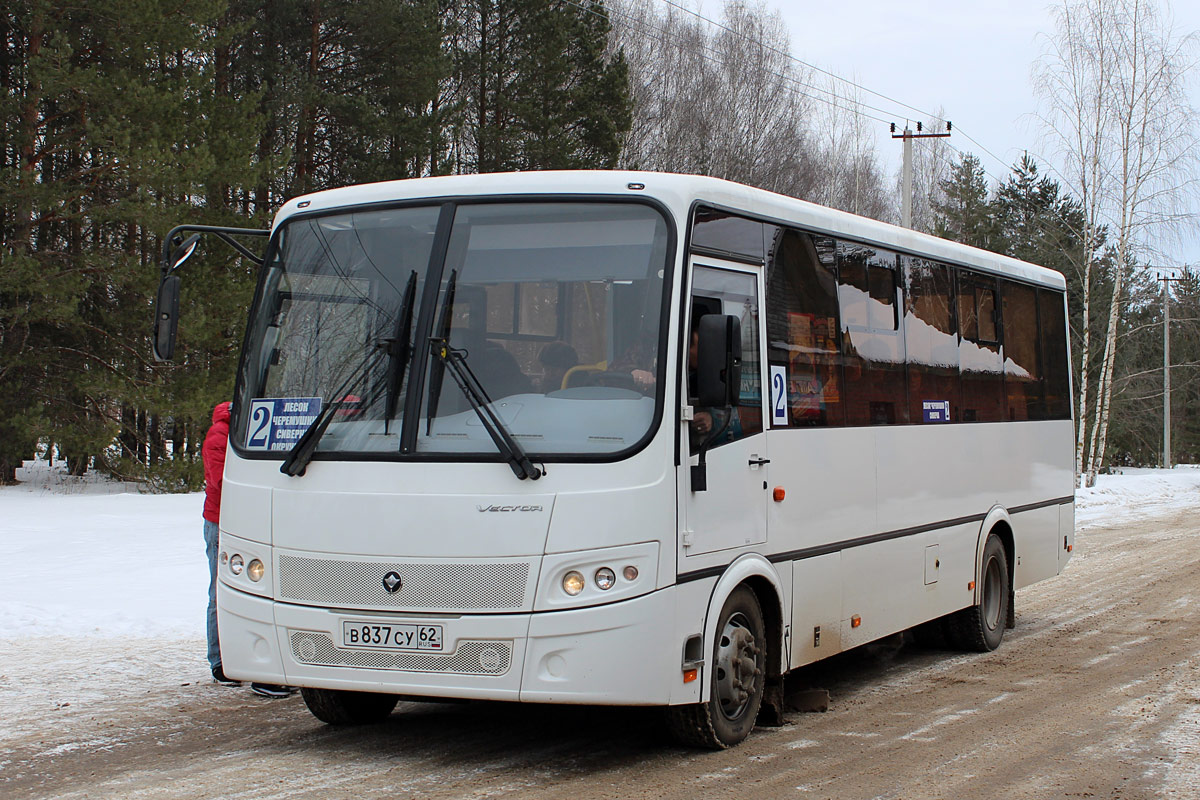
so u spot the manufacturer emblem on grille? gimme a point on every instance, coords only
(392, 582)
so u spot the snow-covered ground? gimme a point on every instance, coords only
(88, 557)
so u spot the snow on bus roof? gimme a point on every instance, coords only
(678, 192)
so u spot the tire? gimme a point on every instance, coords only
(980, 628)
(336, 707)
(737, 679)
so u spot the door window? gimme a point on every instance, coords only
(721, 291)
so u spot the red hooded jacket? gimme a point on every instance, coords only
(213, 455)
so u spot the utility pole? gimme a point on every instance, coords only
(908, 136)
(1167, 279)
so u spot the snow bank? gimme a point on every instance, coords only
(1137, 493)
(87, 557)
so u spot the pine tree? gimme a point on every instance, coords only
(965, 215)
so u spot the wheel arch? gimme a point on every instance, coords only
(998, 522)
(757, 573)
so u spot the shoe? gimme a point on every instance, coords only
(219, 676)
(271, 690)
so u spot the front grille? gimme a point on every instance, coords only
(471, 657)
(448, 587)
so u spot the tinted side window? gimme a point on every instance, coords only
(979, 349)
(1022, 362)
(1055, 368)
(727, 234)
(872, 344)
(931, 342)
(802, 331)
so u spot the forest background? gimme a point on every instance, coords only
(121, 119)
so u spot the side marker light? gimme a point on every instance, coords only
(690, 675)
(970, 586)
(1070, 547)
(778, 494)
(855, 621)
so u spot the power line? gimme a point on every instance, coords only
(659, 34)
(650, 30)
(835, 76)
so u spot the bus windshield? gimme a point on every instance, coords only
(554, 308)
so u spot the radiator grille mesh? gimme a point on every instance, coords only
(440, 586)
(471, 658)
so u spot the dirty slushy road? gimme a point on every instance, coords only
(1096, 693)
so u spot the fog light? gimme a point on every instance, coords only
(572, 583)
(630, 573)
(235, 564)
(605, 578)
(255, 570)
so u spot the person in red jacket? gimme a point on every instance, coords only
(213, 455)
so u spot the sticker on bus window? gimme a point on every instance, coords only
(779, 383)
(936, 410)
(276, 423)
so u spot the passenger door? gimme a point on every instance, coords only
(732, 511)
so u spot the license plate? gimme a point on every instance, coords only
(356, 633)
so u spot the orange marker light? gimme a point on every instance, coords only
(971, 586)
(778, 494)
(690, 675)
(1070, 547)
(855, 621)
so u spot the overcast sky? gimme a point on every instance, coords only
(971, 58)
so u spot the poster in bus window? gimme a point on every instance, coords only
(811, 382)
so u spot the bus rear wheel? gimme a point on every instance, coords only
(737, 678)
(981, 627)
(337, 707)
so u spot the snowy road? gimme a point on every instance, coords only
(1096, 693)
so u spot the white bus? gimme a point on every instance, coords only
(626, 438)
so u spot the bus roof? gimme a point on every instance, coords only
(678, 192)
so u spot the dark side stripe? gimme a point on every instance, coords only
(846, 544)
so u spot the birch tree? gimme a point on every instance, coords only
(1113, 86)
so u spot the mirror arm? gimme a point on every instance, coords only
(223, 233)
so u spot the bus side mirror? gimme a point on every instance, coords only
(166, 318)
(719, 361)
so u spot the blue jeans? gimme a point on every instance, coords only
(210, 547)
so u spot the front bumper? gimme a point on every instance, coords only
(622, 653)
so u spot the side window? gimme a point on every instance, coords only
(1052, 333)
(979, 349)
(727, 234)
(721, 291)
(1022, 362)
(872, 342)
(803, 332)
(931, 343)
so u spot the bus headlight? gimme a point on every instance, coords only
(572, 583)
(254, 570)
(605, 578)
(236, 564)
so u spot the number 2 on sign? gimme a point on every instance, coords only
(779, 411)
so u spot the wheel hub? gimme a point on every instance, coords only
(737, 667)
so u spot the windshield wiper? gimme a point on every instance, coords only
(302, 452)
(455, 361)
(399, 350)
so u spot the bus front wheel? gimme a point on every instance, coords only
(737, 679)
(337, 707)
(981, 627)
